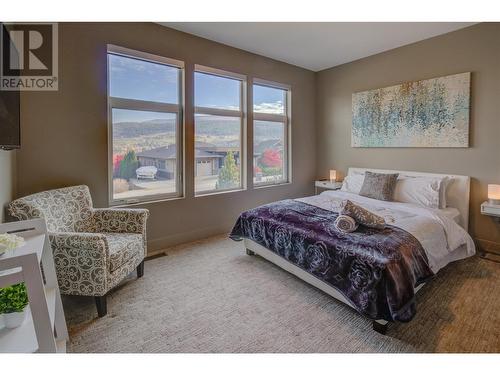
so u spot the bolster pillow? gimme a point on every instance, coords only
(361, 215)
(345, 224)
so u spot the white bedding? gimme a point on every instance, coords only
(441, 237)
(450, 212)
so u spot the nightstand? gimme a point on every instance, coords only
(493, 210)
(490, 209)
(326, 185)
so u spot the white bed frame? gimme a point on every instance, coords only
(457, 195)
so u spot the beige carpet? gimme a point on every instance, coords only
(209, 296)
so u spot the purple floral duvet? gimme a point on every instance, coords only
(375, 269)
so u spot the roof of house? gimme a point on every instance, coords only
(170, 152)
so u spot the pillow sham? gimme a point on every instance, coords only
(361, 215)
(379, 185)
(423, 191)
(352, 183)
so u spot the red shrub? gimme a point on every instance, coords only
(271, 158)
(117, 159)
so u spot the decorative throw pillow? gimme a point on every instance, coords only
(379, 185)
(361, 215)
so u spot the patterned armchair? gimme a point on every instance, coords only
(94, 249)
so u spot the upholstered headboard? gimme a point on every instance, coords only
(457, 194)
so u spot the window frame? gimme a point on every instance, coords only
(241, 113)
(151, 106)
(286, 120)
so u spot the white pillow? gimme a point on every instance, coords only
(418, 194)
(424, 191)
(352, 183)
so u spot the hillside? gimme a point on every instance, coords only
(205, 125)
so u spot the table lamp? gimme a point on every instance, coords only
(493, 194)
(333, 175)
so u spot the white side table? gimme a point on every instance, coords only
(492, 210)
(44, 329)
(326, 185)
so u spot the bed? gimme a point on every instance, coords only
(375, 271)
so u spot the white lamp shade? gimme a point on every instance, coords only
(333, 175)
(493, 191)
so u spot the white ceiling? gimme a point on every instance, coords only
(317, 46)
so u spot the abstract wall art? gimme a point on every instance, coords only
(427, 113)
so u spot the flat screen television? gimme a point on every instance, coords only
(10, 132)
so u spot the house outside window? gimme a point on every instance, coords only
(144, 127)
(219, 130)
(271, 133)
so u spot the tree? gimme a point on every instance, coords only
(229, 174)
(128, 165)
(271, 159)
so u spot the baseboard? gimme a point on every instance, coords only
(488, 246)
(158, 245)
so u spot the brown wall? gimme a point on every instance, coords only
(475, 49)
(64, 133)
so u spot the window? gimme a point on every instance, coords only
(219, 123)
(145, 133)
(270, 133)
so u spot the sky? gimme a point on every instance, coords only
(143, 80)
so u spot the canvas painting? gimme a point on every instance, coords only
(428, 113)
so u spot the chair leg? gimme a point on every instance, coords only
(140, 270)
(102, 306)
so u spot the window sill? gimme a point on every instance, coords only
(145, 202)
(214, 192)
(263, 186)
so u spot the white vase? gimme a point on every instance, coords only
(15, 319)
